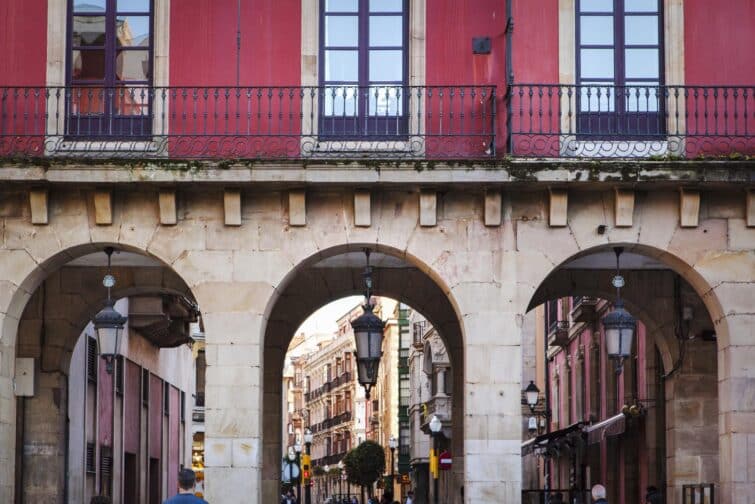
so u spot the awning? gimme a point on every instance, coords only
(557, 436)
(614, 426)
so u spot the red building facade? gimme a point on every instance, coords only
(454, 79)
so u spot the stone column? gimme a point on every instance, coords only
(493, 420)
(736, 392)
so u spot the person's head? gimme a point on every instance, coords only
(100, 499)
(186, 479)
(598, 492)
(410, 493)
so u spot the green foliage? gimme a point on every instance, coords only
(365, 464)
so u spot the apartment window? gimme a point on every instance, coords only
(619, 62)
(363, 68)
(109, 69)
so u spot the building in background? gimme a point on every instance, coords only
(431, 386)
(131, 431)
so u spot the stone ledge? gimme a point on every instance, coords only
(504, 172)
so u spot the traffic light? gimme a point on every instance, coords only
(306, 473)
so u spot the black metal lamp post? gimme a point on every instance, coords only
(108, 323)
(435, 427)
(308, 444)
(368, 333)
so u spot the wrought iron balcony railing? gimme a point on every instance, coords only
(385, 122)
(633, 121)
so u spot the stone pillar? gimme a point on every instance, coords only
(736, 390)
(493, 420)
(691, 420)
(233, 405)
(440, 384)
(43, 424)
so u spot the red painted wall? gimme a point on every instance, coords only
(535, 41)
(132, 406)
(23, 39)
(155, 426)
(203, 42)
(718, 46)
(174, 440)
(718, 42)
(105, 404)
(451, 25)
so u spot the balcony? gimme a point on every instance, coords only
(584, 309)
(379, 122)
(558, 335)
(638, 121)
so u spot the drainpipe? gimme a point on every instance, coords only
(509, 71)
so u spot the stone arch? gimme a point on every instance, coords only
(307, 288)
(30, 276)
(657, 313)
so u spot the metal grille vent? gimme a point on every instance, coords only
(92, 360)
(90, 458)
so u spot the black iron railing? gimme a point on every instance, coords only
(595, 120)
(428, 122)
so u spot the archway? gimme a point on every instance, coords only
(47, 310)
(335, 273)
(678, 396)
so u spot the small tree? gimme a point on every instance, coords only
(365, 464)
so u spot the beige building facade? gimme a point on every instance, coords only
(472, 248)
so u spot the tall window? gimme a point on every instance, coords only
(109, 67)
(619, 61)
(363, 68)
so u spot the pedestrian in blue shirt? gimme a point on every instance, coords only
(186, 481)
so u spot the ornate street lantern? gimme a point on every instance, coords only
(619, 325)
(108, 323)
(532, 394)
(368, 333)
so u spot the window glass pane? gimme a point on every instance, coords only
(340, 101)
(386, 5)
(386, 100)
(86, 100)
(386, 31)
(641, 63)
(641, 30)
(596, 5)
(89, 6)
(132, 65)
(597, 97)
(133, 31)
(642, 97)
(88, 64)
(341, 31)
(596, 30)
(341, 66)
(596, 63)
(133, 6)
(386, 66)
(89, 30)
(641, 5)
(341, 5)
(131, 101)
